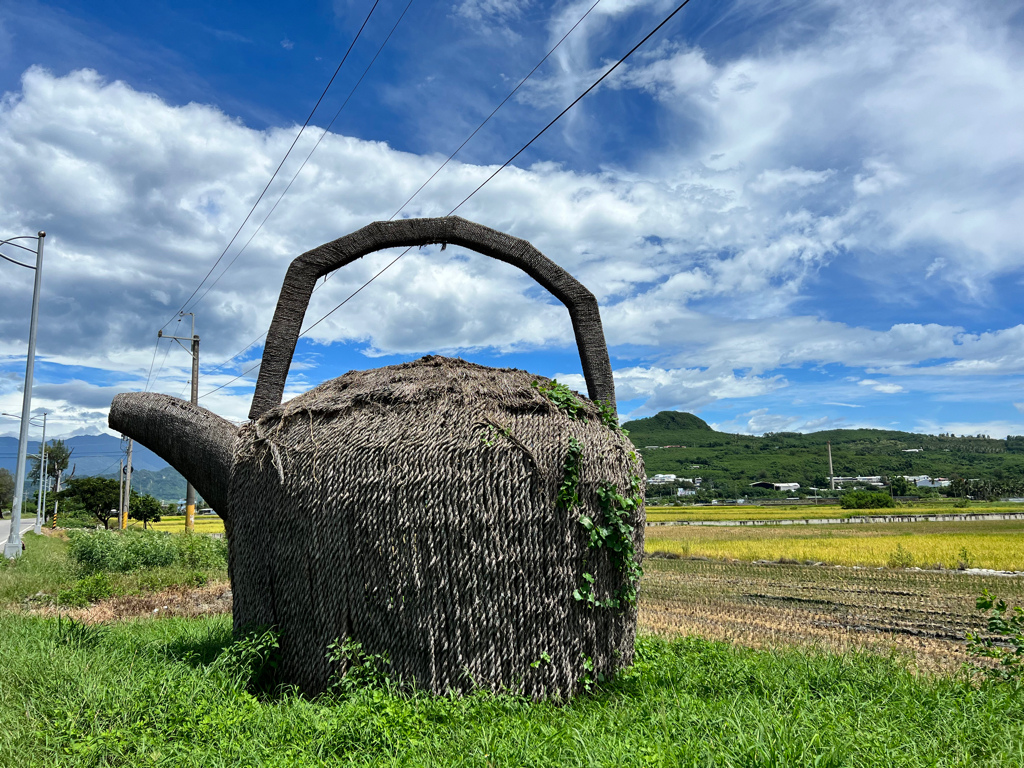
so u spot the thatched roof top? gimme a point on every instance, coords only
(434, 381)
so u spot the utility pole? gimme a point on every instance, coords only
(831, 474)
(190, 492)
(127, 499)
(42, 478)
(120, 492)
(13, 547)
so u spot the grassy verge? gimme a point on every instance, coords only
(997, 544)
(167, 693)
(46, 573)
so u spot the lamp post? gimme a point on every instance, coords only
(13, 547)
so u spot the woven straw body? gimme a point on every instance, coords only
(414, 509)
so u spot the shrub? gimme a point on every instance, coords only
(87, 590)
(1006, 643)
(900, 558)
(120, 551)
(866, 500)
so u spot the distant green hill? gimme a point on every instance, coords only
(803, 458)
(164, 484)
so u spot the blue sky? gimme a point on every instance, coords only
(796, 216)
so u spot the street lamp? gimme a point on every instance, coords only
(13, 547)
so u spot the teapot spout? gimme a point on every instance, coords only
(196, 442)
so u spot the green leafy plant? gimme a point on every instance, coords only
(606, 410)
(88, 590)
(590, 678)
(900, 558)
(613, 532)
(360, 669)
(562, 397)
(866, 500)
(569, 489)
(964, 559)
(249, 663)
(1005, 641)
(545, 658)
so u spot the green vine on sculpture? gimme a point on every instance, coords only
(613, 532)
(563, 398)
(569, 490)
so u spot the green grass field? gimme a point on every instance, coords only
(173, 692)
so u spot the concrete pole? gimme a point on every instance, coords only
(42, 479)
(127, 487)
(831, 474)
(120, 493)
(13, 547)
(190, 492)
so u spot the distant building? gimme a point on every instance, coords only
(686, 492)
(658, 479)
(874, 480)
(913, 450)
(777, 486)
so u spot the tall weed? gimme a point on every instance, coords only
(121, 551)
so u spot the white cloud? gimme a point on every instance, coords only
(886, 143)
(887, 388)
(761, 420)
(287, 44)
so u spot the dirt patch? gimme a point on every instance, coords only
(177, 601)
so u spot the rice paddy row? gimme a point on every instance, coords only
(922, 615)
(993, 544)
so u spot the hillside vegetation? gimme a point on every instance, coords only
(738, 460)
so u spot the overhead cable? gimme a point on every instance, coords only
(283, 159)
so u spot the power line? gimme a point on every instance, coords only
(414, 194)
(309, 155)
(517, 154)
(149, 376)
(504, 165)
(495, 111)
(283, 159)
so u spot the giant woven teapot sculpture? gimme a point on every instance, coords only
(477, 525)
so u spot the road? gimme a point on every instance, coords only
(5, 529)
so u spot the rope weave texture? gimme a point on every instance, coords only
(422, 522)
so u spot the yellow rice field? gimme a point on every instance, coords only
(997, 544)
(176, 524)
(808, 512)
(669, 514)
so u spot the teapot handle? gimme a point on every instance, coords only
(305, 270)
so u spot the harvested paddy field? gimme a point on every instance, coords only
(994, 544)
(922, 614)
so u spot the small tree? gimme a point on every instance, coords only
(58, 456)
(145, 508)
(6, 489)
(900, 486)
(98, 496)
(865, 500)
